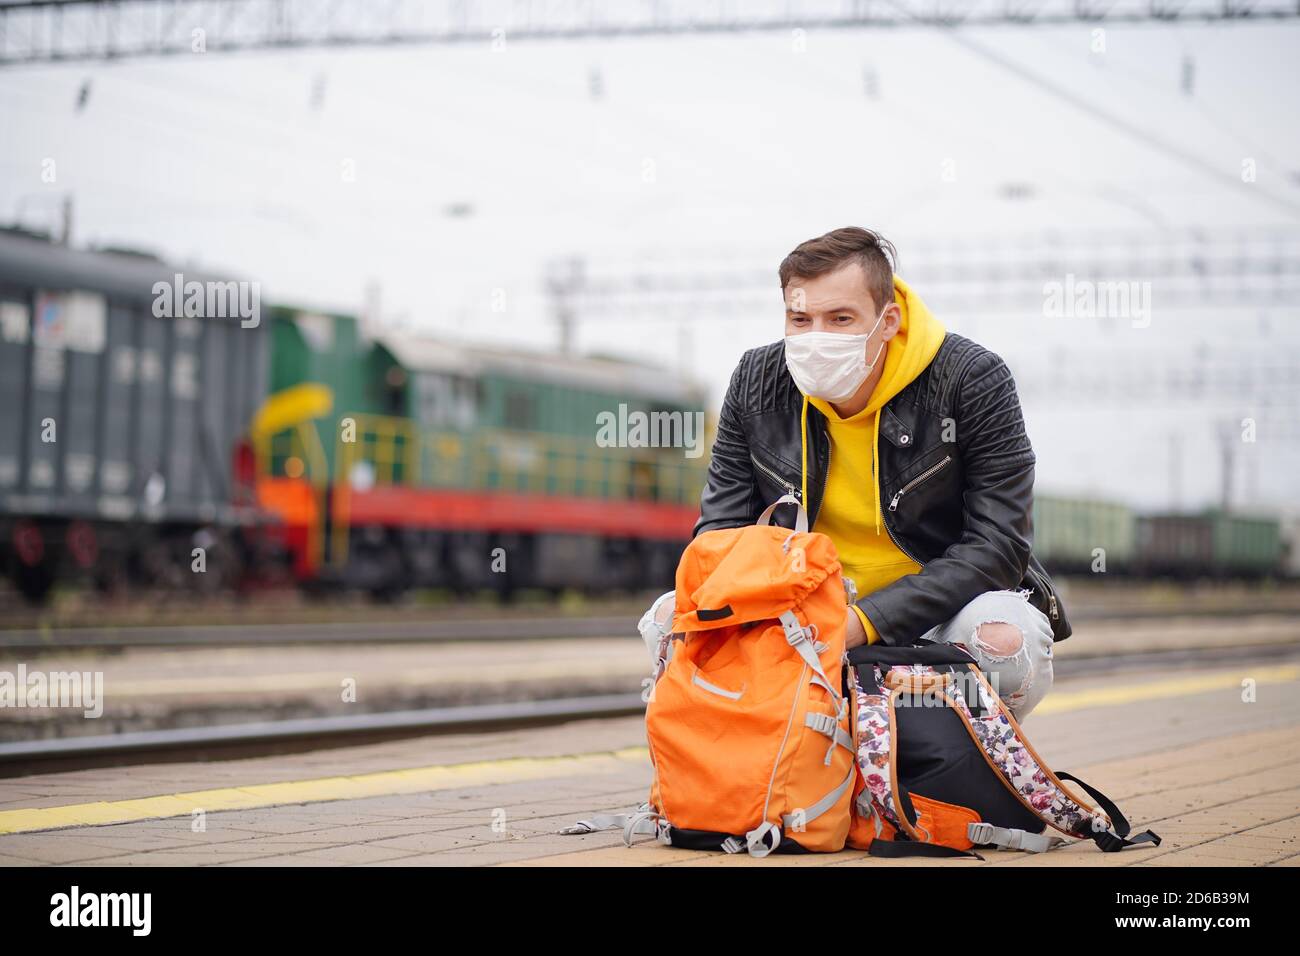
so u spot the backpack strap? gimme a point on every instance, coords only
(801, 518)
(821, 806)
(828, 726)
(608, 821)
(766, 837)
(1111, 841)
(762, 840)
(925, 653)
(646, 820)
(941, 657)
(1011, 838)
(796, 636)
(641, 820)
(898, 848)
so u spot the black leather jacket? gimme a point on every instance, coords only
(957, 480)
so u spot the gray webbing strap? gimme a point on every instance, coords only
(809, 814)
(828, 726)
(867, 808)
(1010, 838)
(800, 521)
(797, 637)
(762, 840)
(611, 821)
(641, 820)
(646, 821)
(823, 682)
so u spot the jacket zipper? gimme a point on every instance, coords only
(933, 469)
(885, 521)
(790, 489)
(898, 544)
(885, 518)
(1052, 609)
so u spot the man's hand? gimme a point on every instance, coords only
(854, 635)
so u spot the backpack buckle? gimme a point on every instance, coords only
(794, 631)
(763, 840)
(850, 591)
(824, 724)
(979, 832)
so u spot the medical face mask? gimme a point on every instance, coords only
(831, 365)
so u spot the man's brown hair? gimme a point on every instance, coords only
(872, 251)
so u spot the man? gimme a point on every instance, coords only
(906, 445)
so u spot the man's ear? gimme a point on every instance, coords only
(893, 317)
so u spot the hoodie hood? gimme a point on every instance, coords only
(907, 354)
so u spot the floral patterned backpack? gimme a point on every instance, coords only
(944, 767)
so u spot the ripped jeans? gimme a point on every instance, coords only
(1021, 678)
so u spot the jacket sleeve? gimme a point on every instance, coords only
(728, 489)
(993, 551)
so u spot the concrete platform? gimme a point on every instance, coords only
(152, 688)
(1181, 752)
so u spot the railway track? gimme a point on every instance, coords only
(350, 632)
(261, 738)
(487, 629)
(229, 741)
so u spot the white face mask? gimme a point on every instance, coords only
(831, 365)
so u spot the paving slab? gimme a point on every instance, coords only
(1213, 769)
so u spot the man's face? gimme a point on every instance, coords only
(837, 302)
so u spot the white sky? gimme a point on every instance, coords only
(753, 146)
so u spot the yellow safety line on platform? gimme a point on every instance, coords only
(1110, 696)
(513, 769)
(379, 784)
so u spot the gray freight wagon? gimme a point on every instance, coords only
(126, 387)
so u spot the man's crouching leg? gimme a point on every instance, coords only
(1012, 642)
(656, 623)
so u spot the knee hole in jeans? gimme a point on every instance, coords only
(998, 639)
(1001, 643)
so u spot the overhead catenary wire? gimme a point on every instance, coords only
(1142, 135)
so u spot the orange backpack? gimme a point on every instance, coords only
(748, 726)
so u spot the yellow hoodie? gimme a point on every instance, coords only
(850, 512)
